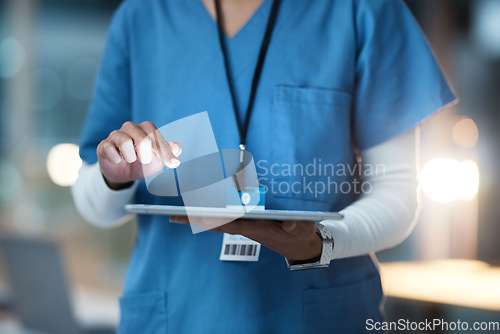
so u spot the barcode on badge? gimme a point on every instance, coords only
(239, 248)
(243, 250)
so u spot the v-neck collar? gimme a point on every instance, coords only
(256, 16)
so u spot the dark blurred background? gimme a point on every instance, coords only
(49, 54)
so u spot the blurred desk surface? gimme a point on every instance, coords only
(466, 283)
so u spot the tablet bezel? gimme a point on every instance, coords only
(171, 210)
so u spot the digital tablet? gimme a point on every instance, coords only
(229, 213)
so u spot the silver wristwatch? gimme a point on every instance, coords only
(326, 252)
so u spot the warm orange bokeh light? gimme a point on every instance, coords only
(465, 132)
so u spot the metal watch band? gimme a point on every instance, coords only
(326, 252)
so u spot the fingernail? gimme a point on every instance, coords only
(128, 152)
(174, 163)
(113, 155)
(145, 151)
(176, 150)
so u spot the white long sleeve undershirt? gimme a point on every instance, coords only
(379, 219)
(384, 217)
(96, 202)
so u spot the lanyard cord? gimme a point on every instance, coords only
(243, 128)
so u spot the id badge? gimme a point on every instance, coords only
(239, 248)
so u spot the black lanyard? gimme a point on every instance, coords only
(243, 128)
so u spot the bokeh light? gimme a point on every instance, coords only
(49, 89)
(486, 27)
(465, 132)
(470, 180)
(445, 180)
(63, 163)
(12, 183)
(440, 178)
(12, 57)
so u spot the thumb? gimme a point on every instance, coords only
(289, 226)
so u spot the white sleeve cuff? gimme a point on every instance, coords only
(96, 202)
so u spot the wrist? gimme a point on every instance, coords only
(117, 185)
(326, 252)
(315, 247)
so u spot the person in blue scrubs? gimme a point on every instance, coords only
(339, 76)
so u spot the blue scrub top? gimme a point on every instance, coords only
(339, 74)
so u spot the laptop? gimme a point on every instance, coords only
(40, 290)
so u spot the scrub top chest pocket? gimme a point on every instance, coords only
(311, 141)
